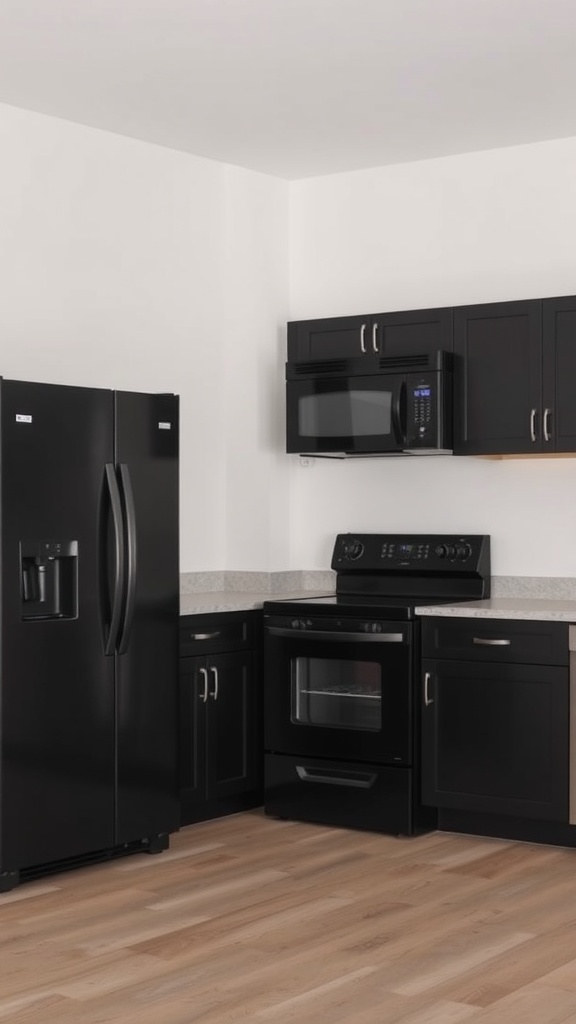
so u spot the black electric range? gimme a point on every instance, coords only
(388, 575)
(342, 680)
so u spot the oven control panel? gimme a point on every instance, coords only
(379, 553)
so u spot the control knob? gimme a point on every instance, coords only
(463, 551)
(353, 549)
(441, 550)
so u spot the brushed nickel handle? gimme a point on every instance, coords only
(490, 643)
(375, 337)
(205, 636)
(362, 339)
(214, 672)
(427, 699)
(204, 695)
(547, 431)
(533, 424)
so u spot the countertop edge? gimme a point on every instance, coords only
(535, 609)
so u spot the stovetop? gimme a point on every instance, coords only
(387, 575)
(332, 605)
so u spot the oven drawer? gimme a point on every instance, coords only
(339, 794)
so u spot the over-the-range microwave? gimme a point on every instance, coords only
(403, 407)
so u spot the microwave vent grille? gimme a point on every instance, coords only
(325, 366)
(404, 362)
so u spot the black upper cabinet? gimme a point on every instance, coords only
(498, 378)
(343, 337)
(368, 338)
(414, 332)
(559, 374)
(514, 368)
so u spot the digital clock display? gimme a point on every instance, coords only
(422, 392)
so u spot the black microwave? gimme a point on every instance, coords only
(402, 407)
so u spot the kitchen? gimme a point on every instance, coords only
(111, 244)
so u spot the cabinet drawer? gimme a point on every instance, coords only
(504, 640)
(215, 633)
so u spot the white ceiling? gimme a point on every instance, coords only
(297, 88)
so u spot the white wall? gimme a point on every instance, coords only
(126, 265)
(474, 228)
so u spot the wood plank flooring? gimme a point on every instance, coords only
(251, 919)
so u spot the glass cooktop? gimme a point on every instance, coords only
(335, 604)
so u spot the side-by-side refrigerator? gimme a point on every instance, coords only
(89, 624)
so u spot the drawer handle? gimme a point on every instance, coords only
(332, 777)
(205, 636)
(490, 643)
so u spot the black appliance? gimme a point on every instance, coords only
(89, 624)
(335, 409)
(341, 714)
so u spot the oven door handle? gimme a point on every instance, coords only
(332, 777)
(337, 638)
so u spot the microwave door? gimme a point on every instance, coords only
(348, 415)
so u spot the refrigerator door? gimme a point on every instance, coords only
(57, 686)
(146, 458)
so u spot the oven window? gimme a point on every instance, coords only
(337, 694)
(352, 413)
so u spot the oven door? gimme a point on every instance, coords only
(339, 693)
(346, 415)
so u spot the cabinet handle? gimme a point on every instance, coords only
(204, 695)
(362, 341)
(547, 431)
(427, 699)
(214, 672)
(490, 643)
(533, 424)
(205, 636)
(375, 337)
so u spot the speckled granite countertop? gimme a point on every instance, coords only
(206, 592)
(543, 609)
(235, 601)
(514, 597)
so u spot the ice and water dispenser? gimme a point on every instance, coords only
(49, 579)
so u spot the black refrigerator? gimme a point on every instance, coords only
(89, 604)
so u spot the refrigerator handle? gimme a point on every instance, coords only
(119, 559)
(131, 558)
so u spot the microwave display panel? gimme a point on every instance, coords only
(353, 413)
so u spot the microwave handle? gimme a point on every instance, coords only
(399, 414)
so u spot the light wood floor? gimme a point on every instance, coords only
(251, 919)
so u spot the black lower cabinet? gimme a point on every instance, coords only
(495, 732)
(221, 768)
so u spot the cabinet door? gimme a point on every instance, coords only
(230, 725)
(498, 378)
(559, 327)
(345, 337)
(193, 700)
(413, 332)
(495, 738)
